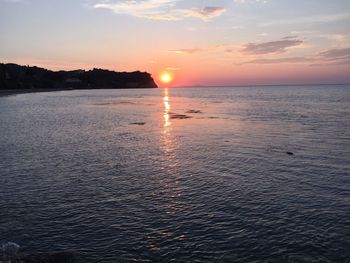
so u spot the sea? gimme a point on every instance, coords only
(211, 174)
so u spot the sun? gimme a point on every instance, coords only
(166, 78)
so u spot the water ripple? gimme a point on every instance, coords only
(82, 179)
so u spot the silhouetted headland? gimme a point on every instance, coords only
(16, 78)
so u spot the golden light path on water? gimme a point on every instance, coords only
(171, 188)
(166, 102)
(168, 143)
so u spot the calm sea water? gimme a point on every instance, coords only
(178, 175)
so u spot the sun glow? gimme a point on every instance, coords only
(166, 78)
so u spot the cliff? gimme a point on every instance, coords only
(13, 76)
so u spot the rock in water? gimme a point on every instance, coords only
(193, 111)
(138, 123)
(10, 250)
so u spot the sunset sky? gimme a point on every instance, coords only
(199, 42)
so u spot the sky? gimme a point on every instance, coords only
(198, 42)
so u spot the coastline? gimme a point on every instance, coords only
(15, 79)
(12, 92)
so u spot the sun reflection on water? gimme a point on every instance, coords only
(166, 102)
(171, 188)
(168, 146)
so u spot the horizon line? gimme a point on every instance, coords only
(184, 86)
(259, 85)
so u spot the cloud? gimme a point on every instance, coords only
(197, 50)
(290, 37)
(335, 37)
(333, 63)
(187, 50)
(173, 69)
(150, 9)
(331, 57)
(333, 54)
(206, 13)
(279, 60)
(334, 57)
(273, 47)
(279, 46)
(264, 34)
(160, 10)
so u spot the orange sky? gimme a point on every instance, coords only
(223, 42)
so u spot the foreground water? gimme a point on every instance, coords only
(183, 175)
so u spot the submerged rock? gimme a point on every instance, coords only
(289, 153)
(10, 250)
(193, 111)
(179, 116)
(138, 123)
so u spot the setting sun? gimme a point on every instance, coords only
(166, 78)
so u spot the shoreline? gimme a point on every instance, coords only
(13, 92)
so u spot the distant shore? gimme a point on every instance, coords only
(22, 79)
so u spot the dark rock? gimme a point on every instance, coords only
(138, 123)
(289, 153)
(193, 111)
(174, 116)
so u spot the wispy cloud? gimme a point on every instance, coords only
(339, 38)
(187, 50)
(279, 60)
(264, 34)
(160, 10)
(151, 9)
(334, 63)
(331, 57)
(205, 13)
(250, 49)
(279, 46)
(195, 50)
(290, 37)
(339, 53)
(173, 69)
